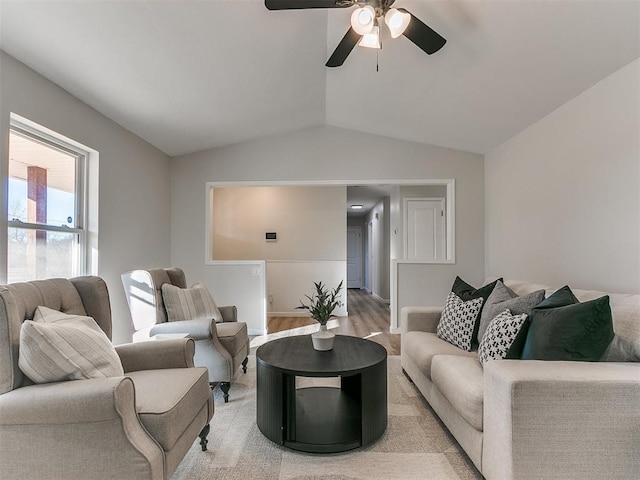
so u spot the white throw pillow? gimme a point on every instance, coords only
(500, 335)
(55, 347)
(458, 320)
(193, 303)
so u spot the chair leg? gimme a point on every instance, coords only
(244, 364)
(203, 437)
(225, 386)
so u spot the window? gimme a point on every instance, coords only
(46, 206)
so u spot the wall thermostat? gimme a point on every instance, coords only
(271, 236)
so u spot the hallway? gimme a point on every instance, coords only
(368, 318)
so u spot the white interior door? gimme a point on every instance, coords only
(354, 257)
(424, 229)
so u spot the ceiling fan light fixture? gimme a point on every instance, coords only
(363, 19)
(371, 39)
(397, 21)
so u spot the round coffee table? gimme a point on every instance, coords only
(322, 419)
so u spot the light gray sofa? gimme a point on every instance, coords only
(520, 420)
(137, 426)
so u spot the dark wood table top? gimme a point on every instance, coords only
(295, 355)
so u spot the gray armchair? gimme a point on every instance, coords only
(221, 347)
(136, 426)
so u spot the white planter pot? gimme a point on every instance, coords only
(323, 339)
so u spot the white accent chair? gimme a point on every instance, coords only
(221, 347)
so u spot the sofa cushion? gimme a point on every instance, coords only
(167, 400)
(466, 292)
(193, 303)
(503, 298)
(56, 347)
(460, 379)
(500, 335)
(233, 336)
(421, 347)
(458, 320)
(622, 349)
(578, 332)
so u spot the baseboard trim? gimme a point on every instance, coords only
(379, 298)
(288, 314)
(340, 312)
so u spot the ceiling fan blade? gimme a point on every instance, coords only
(422, 35)
(344, 48)
(299, 4)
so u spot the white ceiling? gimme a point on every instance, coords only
(191, 75)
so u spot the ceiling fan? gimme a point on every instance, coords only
(365, 25)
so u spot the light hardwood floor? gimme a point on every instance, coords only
(368, 318)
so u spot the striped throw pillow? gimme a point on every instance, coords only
(55, 347)
(193, 303)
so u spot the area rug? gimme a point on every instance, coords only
(415, 446)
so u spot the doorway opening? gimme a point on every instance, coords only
(272, 282)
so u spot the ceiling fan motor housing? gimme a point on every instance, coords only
(399, 21)
(380, 6)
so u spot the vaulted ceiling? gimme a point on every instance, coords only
(192, 75)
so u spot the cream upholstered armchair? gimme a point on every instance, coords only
(135, 425)
(222, 343)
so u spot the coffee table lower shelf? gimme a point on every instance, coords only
(327, 420)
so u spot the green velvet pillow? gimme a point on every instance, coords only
(575, 331)
(466, 292)
(560, 298)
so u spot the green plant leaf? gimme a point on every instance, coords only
(322, 303)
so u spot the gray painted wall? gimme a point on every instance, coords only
(134, 185)
(563, 196)
(333, 155)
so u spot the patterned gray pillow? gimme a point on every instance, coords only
(503, 298)
(457, 321)
(499, 337)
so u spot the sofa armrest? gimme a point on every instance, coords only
(229, 313)
(560, 420)
(157, 355)
(54, 431)
(423, 319)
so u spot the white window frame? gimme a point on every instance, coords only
(50, 139)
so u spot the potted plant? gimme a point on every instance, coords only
(321, 305)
